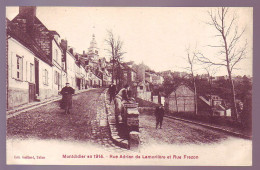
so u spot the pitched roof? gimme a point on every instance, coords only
(36, 21)
(53, 32)
(176, 87)
(219, 108)
(15, 32)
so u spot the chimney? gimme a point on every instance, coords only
(28, 13)
(71, 50)
(64, 44)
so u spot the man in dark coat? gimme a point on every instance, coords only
(112, 92)
(159, 113)
(66, 100)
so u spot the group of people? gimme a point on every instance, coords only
(124, 94)
(67, 92)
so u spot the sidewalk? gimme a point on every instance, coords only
(29, 106)
(110, 108)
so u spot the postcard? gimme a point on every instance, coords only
(163, 86)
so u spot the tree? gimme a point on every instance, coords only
(210, 72)
(191, 61)
(115, 51)
(231, 51)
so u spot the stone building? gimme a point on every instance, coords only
(46, 40)
(93, 50)
(70, 63)
(153, 78)
(143, 91)
(29, 69)
(213, 105)
(37, 67)
(39, 64)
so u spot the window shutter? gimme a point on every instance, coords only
(43, 81)
(22, 71)
(54, 77)
(33, 73)
(13, 65)
(47, 77)
(26, 71)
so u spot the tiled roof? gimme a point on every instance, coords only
(54, 32)
(15, 32)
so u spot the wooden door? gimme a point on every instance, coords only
(36, 63)
(31, 92)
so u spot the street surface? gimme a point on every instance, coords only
(85, 123)
(177, 132)
(46, 131)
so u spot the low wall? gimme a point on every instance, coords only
(145, 103)
(17, 96)
(45, 94)
(217, 120)
(146, 110)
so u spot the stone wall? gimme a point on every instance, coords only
(45, 93)
(17, 96)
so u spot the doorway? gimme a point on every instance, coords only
(36, 63)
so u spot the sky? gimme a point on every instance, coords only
(156, 36)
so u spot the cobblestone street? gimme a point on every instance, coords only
(86, 123)
(49, 132)
(177, 132)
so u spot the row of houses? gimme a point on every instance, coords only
(153, 78)
(148, 86)
(39, 63)
(181, 99)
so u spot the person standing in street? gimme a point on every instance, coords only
(159, 113)
(112, 91)
(66, 101)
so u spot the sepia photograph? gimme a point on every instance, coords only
(163, 86)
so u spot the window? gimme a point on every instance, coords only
(56, 77)
(26, 71)
(45, 77)
(19, 68)
(141, 87)
(31, 72)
